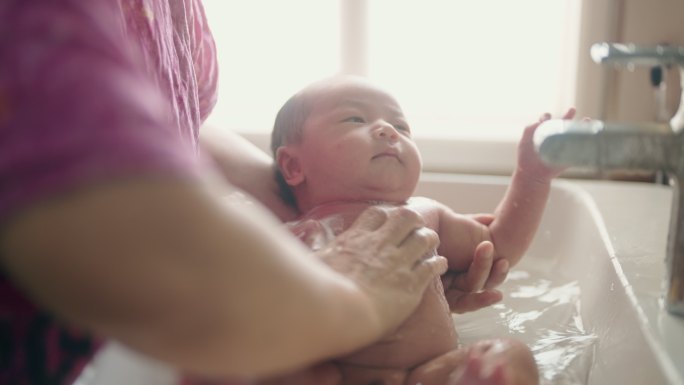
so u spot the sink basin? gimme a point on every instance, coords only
(586, 298)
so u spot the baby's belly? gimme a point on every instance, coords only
(427, 333)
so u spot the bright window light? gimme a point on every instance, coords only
(474, 69)
(268, 50)
(460, 68)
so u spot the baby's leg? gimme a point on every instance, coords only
(489, 362)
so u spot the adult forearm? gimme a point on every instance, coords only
(164, 268)
(247, 167)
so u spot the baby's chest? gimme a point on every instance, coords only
(318, 228)
(428, 209)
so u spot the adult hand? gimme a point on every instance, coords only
(384, 253)
(474, 289)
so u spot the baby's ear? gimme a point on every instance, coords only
(290, 166)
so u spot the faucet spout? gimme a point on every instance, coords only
(603, 146)
(598, 145)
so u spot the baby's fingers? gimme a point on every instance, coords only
(570, 113)
(544, 117)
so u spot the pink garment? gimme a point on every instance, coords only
(90, 90)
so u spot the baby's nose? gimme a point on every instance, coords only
(385, 130)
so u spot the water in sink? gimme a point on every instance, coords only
(546, 315)
(565, 298)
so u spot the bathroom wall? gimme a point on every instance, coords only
(621, 94)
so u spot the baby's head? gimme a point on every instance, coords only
(344, 139)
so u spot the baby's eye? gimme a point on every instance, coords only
(354, 119)
(404, 129)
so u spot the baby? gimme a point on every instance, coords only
(343, 144)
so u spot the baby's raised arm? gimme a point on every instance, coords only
(517, 217)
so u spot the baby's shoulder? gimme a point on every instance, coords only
(430, 209)
(423, 204)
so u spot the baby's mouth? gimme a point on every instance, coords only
(387, 154)
(384, 155)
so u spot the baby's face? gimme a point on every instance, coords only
(356, 145)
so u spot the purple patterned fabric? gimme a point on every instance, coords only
(90, 91)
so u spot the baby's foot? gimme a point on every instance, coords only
(489, 362)
(480, 370)
(496, 362)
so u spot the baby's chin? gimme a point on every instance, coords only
(390, 188)
(387, 196)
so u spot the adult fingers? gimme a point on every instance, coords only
(481, 266)
(483, 218)
(387, 264)
(428, 268)
(420, 242)
(392, 224)
(478, 271)
(370, 219)
(401, 226)
(498, 273)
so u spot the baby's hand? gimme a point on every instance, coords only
(528, 159)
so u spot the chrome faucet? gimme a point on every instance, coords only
(599, 145)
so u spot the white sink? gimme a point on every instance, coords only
(586, 297)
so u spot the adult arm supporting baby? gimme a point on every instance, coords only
(217, 297)
(247, 167)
